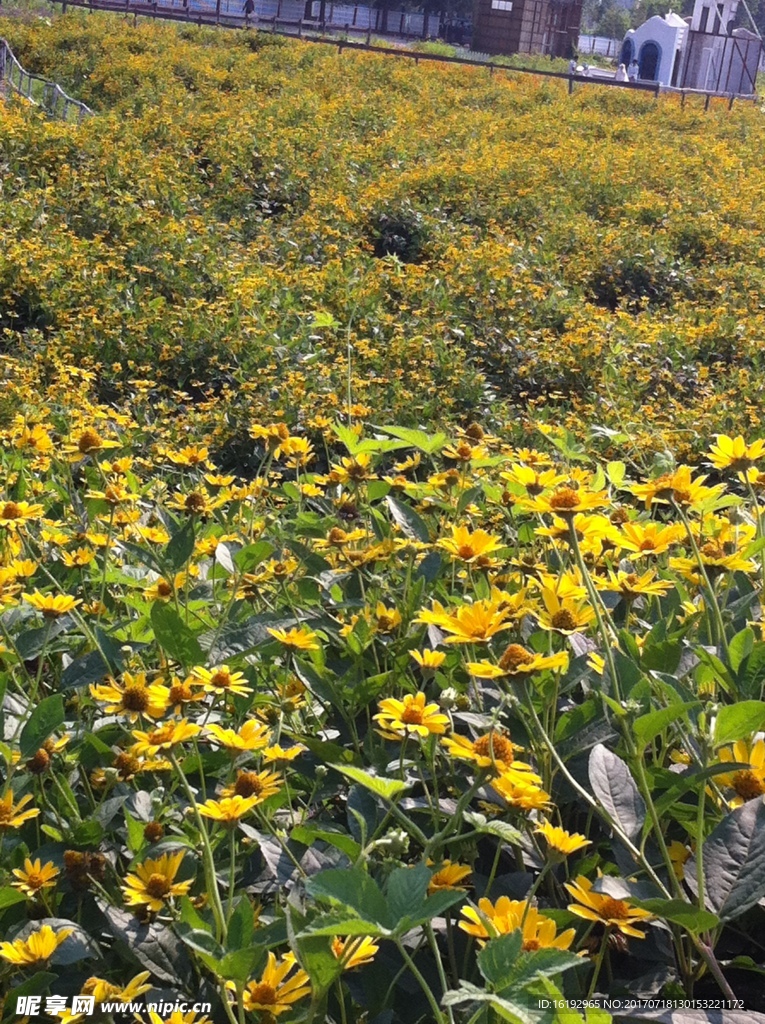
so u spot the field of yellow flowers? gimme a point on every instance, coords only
(382, 542)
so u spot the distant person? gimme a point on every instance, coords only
(621, 74)
(634, 70)
(249, 7)
(572, 66)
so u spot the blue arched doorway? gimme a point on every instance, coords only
(649, 59)
(627, 53)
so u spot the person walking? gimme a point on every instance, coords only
(634, 70)
(249, 7)
(621, 74)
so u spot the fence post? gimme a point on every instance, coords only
(570, 84)
(706, 102)
(730, 102)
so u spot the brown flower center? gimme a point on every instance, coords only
(40, 762)
(337, 536)
(194, 502)
(465, 552)
(495, 745)
(356, 471)
(475, 432)
(263, 994)
(565, 498)
(89, 441)
(614, 910)
(412, 715)
(10, 510)
(126, 764)
(135, 698)
(164, 589)
(513, 656)
(220, 679)
(248, 784)
(564, 620)
(531, 945)
(180, 692)
(157, 886)
(748, 785)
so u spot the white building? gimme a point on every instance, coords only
(702, 52)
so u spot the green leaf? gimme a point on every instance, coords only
(180, 546)
(241, 926)
(351, 889)
(427, 443)
(497, 958)
(341, 923)
(740, 647)
(307, 834)
(616, 790)
(241, 964)
(682, 913)
(135, 836)
(491, 827)
(32, 986)
(377, 784)
(647, 727)
(736, 721)
(316, 956)
(406, 892)
(616, 472)
(249, 557)
(9, 897)
(409, 522)
(734, 862)
(174, 636)
(45, 719)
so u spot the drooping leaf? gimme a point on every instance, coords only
(682, 913)
(407, 520)
(180, 546)
(734, 862)
(406, 892)
(174, 636)
(352, 889)
(45, 719)
(377, 784)
(616, 790)
(735, 721)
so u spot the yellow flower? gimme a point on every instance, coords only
(39, 947)
(274, 993)
(133, 696)
(631, 586)
(613, 913)
(52, 606)
(35, 876)
(566, 501)
(277, 753)
(386, 619)
(165, 737)
(559, 841)
(493, 751)
(734, 453)
(221, 680)
(678, 854)
(448, 876)
(520, 793)
(644, 539)
(354, 951)
(301, 639)
(429, 660)
(410, 716)
(470, 546)
(677, 487)
(563, 614)
(252, 736)
(516, 660)
(490, 920)
(258, 785)
(747, 783)
(16, 513)
(13, 815)
(153, 882)
(469, 623)
(229, 809)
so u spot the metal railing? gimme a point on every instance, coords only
(49, 96)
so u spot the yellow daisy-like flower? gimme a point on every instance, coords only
(298, 639)
(520, 791)
(275, 992)
(52, 606)
(678, 487)
(221, 680)
(14, 514)
(490, 920)
(252, 736)
(87, 442)
(563, 614)
(494, 751)
(256, 785)
(631, 586)
(606, 910)
(566, 501)
(747, 783)
(679, 853)
(386, 620)
(410, 716)
(354, 951)
(469, 623)
(164, 738)
(13, 815)
(448, 876)
(429, 661)
(229, 809)
(276, 753)
(39, 947)
(153, 882)
(561, 843)
(35, 876)
(132, 696)
(470, 546)
(734, 453)
(649, 539)
(516, 660)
